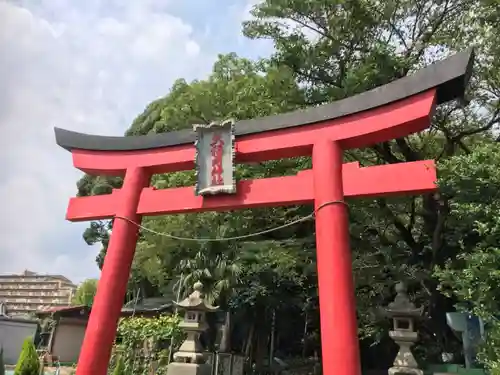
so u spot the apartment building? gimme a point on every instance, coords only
(29, 292)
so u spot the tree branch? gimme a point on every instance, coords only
(400, 226)
(384, 150)
(407, 151)
(494, 120)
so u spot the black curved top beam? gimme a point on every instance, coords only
(449, 76)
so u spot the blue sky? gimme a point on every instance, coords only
(89, 66)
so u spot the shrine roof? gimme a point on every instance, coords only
(79, 310)
(449, 77)
(153, 305)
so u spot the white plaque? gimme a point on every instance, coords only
(215, 158)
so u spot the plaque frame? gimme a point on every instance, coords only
(203, 130)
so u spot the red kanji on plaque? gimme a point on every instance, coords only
(217, 148)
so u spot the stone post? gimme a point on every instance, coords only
(403, 314)
(189, 359)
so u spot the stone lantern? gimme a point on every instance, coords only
(189, 359)
(404, 314)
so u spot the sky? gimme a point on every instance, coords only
(90, 66)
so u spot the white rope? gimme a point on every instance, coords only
(221, 239)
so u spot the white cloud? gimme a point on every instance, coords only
(89, 66)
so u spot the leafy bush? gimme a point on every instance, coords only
(120, 367)
(471, 183)
(134, 332)
(28, 363)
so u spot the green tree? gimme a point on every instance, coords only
(135, 332)
(278, 279)
(473, 278)
(219, 273)
(28, 362)
(85, 293)
(120, 367)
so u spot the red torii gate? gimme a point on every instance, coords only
(395, 110)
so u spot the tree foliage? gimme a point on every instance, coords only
(28, 363)
(137, 333)
(85, 293)
(326, 50)
(119, 367)
(473, 180)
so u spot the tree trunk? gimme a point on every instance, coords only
(304, 335)
(262, 342)
(209, 337)
(248, 345)
(272, 337)
(225, 342)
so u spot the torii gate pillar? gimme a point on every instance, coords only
(335, 279)
(101, 328)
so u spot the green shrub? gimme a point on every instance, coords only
(2, 365)
(28, 363)
(120, 367)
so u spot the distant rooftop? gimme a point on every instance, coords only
(153, 305)
(62, 309)
(28, 274)
(147, 306)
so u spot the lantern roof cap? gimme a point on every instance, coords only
(196, 300)
(402, 306)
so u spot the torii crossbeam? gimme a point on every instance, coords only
(395, 110)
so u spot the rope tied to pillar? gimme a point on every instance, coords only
(235, 238)
(329, 203)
